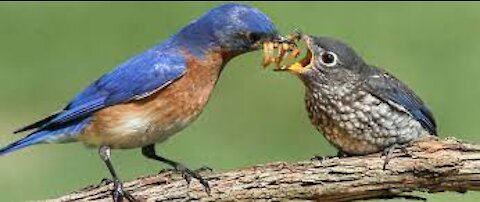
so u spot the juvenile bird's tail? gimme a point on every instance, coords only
(34, 138)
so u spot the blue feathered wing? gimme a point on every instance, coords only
(135, 79)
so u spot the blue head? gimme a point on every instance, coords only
(232, 28)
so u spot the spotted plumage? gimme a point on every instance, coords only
(360, 108)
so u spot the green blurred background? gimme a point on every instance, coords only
(50, 51)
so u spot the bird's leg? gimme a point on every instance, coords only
(387, 152)
(149, 152)
(118, 193)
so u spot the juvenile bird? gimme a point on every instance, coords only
(360, 109)
(157, 93)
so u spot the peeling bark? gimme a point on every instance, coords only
(431, 165)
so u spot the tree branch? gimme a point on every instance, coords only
(431, 165)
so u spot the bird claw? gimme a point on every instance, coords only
(118, 193)
(164, 170)
(189, 174)
(341, 154)
(198, 170)
(320, 158)
(203, 169)
(388, 152)
(105, 181)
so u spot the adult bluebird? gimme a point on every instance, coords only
(360, 109)
(157, 93)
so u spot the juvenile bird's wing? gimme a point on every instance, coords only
(137, 78)
(389, 89)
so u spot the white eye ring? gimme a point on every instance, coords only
(328, 58)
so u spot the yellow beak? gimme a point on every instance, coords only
(296, 68)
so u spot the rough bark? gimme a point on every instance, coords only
(431, 165)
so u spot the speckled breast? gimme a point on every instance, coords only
(157, 117)
(359, 123)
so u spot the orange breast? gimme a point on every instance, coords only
(155, 118)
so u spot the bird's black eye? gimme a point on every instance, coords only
(329, 58)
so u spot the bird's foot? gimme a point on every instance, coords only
(341, 154)
(104, 181)
(189, 174)
(388, 152)
(119, 193)
(323, 158)
(199, 170)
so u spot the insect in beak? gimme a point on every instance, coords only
(279, 52)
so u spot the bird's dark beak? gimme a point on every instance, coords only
(279, 39)
(270, 38)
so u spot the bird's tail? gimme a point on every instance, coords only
(32, 139)
(63, 134)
